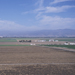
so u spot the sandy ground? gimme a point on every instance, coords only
(45, 56)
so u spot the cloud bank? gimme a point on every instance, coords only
(10, 25)
(57, 22)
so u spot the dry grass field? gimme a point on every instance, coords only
(34, 60)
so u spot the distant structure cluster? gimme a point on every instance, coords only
(67, 43)
(49, 42)
(24, 40)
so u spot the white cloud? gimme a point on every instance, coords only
(49, 9)
(39, 3)
(57, 22)
(41, 11)
(49, 22)
(12, 26)
(46, 22)
(38, 16)
(40, 7)
(58, 1)
(57, 9)
(9, 25)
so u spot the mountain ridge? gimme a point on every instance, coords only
(41, 33)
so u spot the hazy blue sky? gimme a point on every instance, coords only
(37, 14)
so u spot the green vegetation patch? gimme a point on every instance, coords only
(8, 40)
(15, 45)
(67, 46)
(59, 39)
(66, 39)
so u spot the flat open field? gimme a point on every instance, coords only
(66, 46)
(60, 43)
(47, 39)
(34, 60)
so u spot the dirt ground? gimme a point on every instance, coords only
(33, 60)
(40, 70)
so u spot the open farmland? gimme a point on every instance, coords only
(47, 39)
(20, 58)
(66, 39)
(66, 46)
(8, 40)
(35, 60)
(37, 41)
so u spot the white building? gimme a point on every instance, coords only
(32, 44)
(51, 40)
(41, 40)
(56, 40)
(66, 44)
(72, 43)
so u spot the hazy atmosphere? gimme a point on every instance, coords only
(27, 15)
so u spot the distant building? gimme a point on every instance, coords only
(41, 40)
(51, 40)
(56, 40)
(24, 40)
(66, 43)
(72, 43)
(32, 44)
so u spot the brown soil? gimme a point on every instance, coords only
(34, 54)
(41, 70)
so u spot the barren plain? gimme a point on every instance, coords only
(34, 60)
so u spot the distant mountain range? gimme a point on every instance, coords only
(40, 33)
